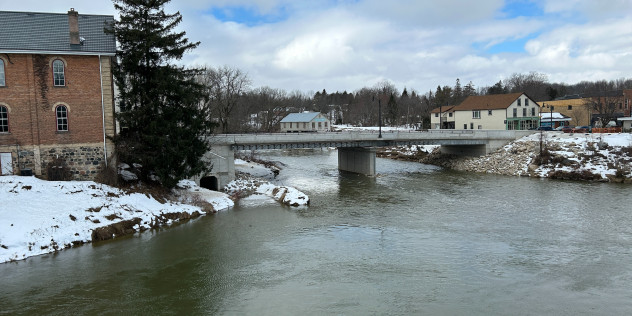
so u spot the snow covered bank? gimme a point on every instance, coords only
(599, 157)
(38, 216)
(253, 180)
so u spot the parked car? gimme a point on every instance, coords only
(568, 129)
(582, 129)
(544, 128)
(559, 128)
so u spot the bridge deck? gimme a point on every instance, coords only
(363, 139)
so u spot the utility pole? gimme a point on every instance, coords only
(379, 119)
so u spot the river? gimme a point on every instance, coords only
(415, 239)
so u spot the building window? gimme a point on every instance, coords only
(515, 112)
(313, 125)
(2, 81)
(436, 114)
(450, 114)
(480, 127)
(476, 114)
(526, 102)
(464, 126)
(570, 107)
(59, 77)
(524, 112)
(326, 124)
(62, 118)
(320, 125)
(519, 102)
(471, 125)
(532, 111)
(4, 119)
(304, 125)
(489, 112)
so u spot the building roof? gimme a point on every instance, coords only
(546, 116)
(443, 109)
(35, 32)
(488, 102)
(300, 117)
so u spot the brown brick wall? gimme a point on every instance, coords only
(31, 98)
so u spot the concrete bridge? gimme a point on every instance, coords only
(356, 149)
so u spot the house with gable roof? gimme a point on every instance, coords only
(513, 111)
(305, 122)
(442, 117)
(56, 93)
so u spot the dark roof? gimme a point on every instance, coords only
(26, 32)
(488, 102)
(443, 109)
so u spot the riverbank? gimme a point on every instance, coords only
(254, 178)
(38, 216)
(556, 155)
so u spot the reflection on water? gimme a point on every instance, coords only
(412, 240)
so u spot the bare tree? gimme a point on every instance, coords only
(534, 84)
(224, 86)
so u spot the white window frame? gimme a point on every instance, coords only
(4, 119)
(3, 81)
(59, 73)
(61, 118)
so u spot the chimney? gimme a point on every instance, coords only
(73, 26)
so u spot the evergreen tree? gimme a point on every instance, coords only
(457, 92)
(469, 90)
(164, 129)
(393, 111)
(498, 88)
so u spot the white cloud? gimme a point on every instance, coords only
(348, 44)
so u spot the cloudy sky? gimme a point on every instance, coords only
(338, 45)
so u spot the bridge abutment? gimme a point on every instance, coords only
(222, 159)
(357, 159)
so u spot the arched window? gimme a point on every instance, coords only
(2, 80)
(4, 119)
(61, 112)
(59, 78)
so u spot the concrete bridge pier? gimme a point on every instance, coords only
(357, 159)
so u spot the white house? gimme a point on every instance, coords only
(514, 111)
(305, 122)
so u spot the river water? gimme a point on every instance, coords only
(415, 239)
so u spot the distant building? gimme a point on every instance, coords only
(576, 108)
(442, 117)
(56, 92)
(554, 119)
(305, 122)
(514, 111)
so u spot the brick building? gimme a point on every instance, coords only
(56, 92)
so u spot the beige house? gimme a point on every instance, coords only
(305, 122)
(577, 109)
(442, 117)
(514, 111)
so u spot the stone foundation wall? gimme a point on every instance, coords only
(83, 161)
